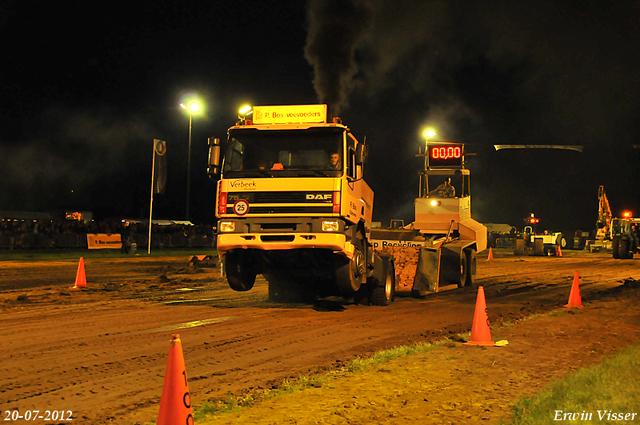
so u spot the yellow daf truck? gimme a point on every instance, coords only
(293, 206)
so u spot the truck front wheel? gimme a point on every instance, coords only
(348, 278)
(349, 273)
(240, 273)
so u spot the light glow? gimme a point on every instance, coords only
(193, 105)
(227, 226)
(330, 226)
(245, 110)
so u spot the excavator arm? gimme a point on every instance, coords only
(604, 216)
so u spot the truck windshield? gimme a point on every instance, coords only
(284, 153)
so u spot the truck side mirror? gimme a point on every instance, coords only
(361, 154)
(214, 157)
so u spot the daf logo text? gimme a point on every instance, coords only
(319, 196)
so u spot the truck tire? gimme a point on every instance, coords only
(461, 277)
(240, 274)
(615, 247)
(471, 269)
(623, 250)
(564, 242)
(349, 273)
(383, 293)
(538, 247)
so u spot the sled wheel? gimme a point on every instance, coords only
(461, 278)
(384, 292)
(471, 269)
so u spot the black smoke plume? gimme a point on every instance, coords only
(335, 29)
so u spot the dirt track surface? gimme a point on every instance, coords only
(102, 352)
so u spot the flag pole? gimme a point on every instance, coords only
(153, 170)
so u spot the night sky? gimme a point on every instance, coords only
(87, 86)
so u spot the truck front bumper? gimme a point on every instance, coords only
(335, 242)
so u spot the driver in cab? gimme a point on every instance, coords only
(445, 190)
(335, 163)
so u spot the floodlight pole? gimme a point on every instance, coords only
(189, 171)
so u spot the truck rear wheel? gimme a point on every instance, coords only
(384, 292)
(240, 273)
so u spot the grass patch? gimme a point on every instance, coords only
(232, 403)
(558, 313)
(361, 364)
(43, 255)
(608, 387)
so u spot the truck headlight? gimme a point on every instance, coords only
(435, 203)
(330, 226)
(227, 226)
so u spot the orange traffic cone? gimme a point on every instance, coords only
(480, 333)
(559, 251)
(81, 277)
(574, 297)
(175, 404)
(490, 254)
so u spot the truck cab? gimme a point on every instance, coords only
(292, 203)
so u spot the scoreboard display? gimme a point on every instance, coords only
(450, 155)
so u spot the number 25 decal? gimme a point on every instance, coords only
(241, 207)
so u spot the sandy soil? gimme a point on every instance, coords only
(101, 352)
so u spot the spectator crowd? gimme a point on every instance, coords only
(28, 234)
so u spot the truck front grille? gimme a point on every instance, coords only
(293, 197)
(285, 210)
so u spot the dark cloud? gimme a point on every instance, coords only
(72, 152)
(552, 70)
(336, 28)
